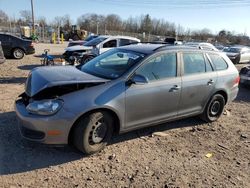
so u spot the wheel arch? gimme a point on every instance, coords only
(223, 93)
(18, 47)
(117, 122)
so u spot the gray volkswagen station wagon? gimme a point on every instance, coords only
(121, 90)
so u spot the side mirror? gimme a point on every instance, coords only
(138, 79)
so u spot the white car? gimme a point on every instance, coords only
(99, 45)
(202, 45)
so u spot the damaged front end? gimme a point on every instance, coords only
(47, 101)
(45, 86)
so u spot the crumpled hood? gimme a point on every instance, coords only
(78, 47)
(45, 77)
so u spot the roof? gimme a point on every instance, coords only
(143, 48)
(118, 36)
(151, 48)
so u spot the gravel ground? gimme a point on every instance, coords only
(168, 155)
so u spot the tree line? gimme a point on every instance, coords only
(103, 24)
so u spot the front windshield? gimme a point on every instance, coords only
(112, 64)
(95, 41)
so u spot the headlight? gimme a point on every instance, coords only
(45, 107)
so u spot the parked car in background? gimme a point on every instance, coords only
(15, 46)
(220, 47)
(238, 54)
(99, 45)
(81, 42)
(124, 89)
(2, 58)
(202, 45)
(245, 75)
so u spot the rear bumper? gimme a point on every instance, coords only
(30, 50)
(233, 93)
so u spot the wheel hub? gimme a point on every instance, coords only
(18, 53)
(99, 132)
(215, 108)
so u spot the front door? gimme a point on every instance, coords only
(158, 99)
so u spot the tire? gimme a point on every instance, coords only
(237, 60)
(86, 59)
(18, 53)
(214, 108)
(86, 137)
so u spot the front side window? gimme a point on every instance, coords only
(218, 61)
(110, 44)
(160, 67)
(194, 63)
(112, 64)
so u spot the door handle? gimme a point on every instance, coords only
(210, 82)
(175, 88)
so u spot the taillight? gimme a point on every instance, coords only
(237, 80)
(32, 44)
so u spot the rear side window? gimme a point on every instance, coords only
(194, 63)
(124, 42)
(218, 61)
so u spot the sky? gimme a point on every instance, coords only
(215, 15)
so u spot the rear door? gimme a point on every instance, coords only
(198, 82)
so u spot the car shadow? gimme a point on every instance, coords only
(28, 67)
(18, 155)
(148, 131)
(12, 80)
(53, 55)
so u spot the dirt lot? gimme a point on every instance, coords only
(176, 158)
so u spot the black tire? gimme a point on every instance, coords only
(237, 60)
(214, 108)
(93, 132)
(18, 53)
(86, 59)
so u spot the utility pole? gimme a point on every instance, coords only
(33, 18)
(97, 27)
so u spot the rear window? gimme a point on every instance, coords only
(218, 61)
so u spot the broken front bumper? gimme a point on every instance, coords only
(44, 129)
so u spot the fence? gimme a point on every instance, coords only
(45, 34)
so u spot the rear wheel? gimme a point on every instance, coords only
(18, 53)
(93, 132)
(214, 108)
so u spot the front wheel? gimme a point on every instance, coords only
(86, 59)
(214, 108)
(93, 132)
